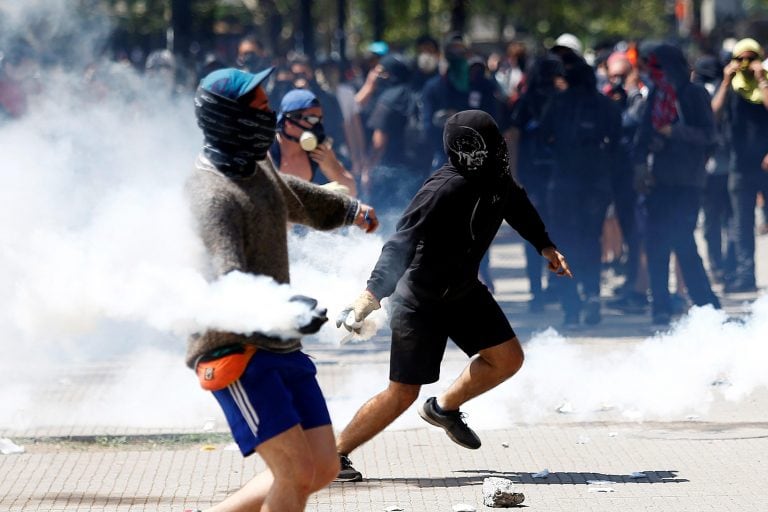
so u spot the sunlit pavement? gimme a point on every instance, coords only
(691, 462)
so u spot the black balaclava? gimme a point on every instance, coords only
(396, 69)
(236, 135)
(476, 148)
(580, 76)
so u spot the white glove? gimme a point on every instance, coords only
(352, 316)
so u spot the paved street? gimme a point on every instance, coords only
(565, 456)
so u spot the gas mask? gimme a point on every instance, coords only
(312, 135)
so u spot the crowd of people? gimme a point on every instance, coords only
(619, 137)
(429, 143)
(634, 135)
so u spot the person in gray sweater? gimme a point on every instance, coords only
(265, 384)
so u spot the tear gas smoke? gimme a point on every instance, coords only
(99, 259)
(101, 274)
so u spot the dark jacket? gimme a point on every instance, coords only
(583, 128)
(748, 123)
(678, 160)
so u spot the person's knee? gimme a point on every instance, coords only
(326, 470)
(403, 394)
(506, 359)
(298, 478)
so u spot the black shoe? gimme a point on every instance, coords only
(571, 320)
(592, 314)
(632, 302)
(450, 421)
(347, 473)
(679, 304)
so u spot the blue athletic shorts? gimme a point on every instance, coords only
(276, 392)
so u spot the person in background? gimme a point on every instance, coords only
(445, 94)
(265, 384)
(510, 74)
(160, 71)
(331, 75)
(583, 129)
(623, 88)
(716, 204)
(304, 78)
(426, 63)
(388, 181)
(15, 64)
(743, 94)
(251, 54)
(301, 147)
(672, 146)
(535, 160)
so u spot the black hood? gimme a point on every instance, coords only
(673, 63)
(708, 69)
(475, 147)
(396, 68)
(580, 75)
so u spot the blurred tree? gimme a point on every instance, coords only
(143, 23)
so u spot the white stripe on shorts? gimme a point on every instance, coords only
(246, 409)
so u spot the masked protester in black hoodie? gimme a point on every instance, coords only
(673, 142)
(583, 129)
(429, 268)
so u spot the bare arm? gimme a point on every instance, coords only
(718, 100)
(365, 93)
(332, 168)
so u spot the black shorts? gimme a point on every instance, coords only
(420, 332)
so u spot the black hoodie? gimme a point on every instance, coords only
(450, 223)
(678, 160)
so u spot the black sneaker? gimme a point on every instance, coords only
(592, 314)
(630, 302)
(347, 473)
(450, 421)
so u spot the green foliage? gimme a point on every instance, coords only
(404, 20)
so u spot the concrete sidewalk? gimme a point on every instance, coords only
(609, 463)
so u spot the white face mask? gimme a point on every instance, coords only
(427, 62)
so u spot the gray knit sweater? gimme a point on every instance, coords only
(243, 225)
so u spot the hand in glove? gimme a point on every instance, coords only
(312, 323)
(352, 316)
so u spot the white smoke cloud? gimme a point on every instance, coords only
(99, 261)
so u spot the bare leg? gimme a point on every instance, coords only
(376, 414)
(488, 369)
(299, 463)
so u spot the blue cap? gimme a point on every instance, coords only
(380, 48)
(233, 83)
(297, 99)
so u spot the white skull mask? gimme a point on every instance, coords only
(470, 148)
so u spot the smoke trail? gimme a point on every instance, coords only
(706, 357)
